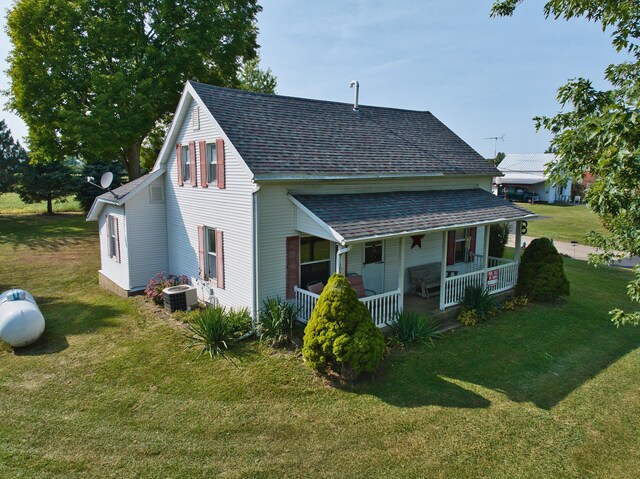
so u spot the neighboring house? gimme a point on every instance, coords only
(528, 171)
(256, 196)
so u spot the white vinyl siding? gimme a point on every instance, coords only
(229, 210)
(147, 233)
(118, 272)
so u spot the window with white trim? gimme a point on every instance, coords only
(210, 253)
(112, 231)
(212, 163)
(186, 164)
(463, 241)
(373, 252)
(315, 260)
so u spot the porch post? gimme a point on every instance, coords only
(443, 273)
(485, 252)
(401, 277)
(516, 256)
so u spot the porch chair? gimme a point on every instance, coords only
(315, 287)
(357, 283)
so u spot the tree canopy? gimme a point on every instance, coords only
(11, 154)
(598, 132)
(91, 78)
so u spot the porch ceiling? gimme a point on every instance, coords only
(357, 217)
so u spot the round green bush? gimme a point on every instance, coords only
(541, 272)
(340, 333)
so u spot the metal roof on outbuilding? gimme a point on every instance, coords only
(526, 163)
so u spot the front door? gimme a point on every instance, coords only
(373, 269)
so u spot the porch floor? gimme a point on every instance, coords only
(431, 307)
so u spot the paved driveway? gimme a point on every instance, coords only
(577, 251)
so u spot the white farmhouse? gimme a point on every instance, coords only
(256, 196)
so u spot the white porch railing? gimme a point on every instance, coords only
(493, 261)
(306, 301)
(383, 307)
(507, 276)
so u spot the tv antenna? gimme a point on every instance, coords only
(495, 142)
(105, 183)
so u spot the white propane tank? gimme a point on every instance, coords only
(21, 322)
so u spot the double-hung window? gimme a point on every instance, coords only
(186, 166)
(210, 253)
(463, 237)
(315, 260)
(112, 230)
(212, 163)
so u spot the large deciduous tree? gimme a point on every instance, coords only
(11, 154)
(92, 77)
(598, 132)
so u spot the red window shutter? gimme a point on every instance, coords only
(202, 269)
(117, 242)
(219, 259)
(293, 265)
(220, 162)
(203, 165)
(472, 243)
(192, 163)
(451, 247)
(179, 163)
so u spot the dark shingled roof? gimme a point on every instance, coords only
(124, 190)
(279, 136)
(356, 216)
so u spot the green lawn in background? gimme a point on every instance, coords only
(11, 204)
(546, 392)
(563, 222)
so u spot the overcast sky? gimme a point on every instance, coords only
(482, 77)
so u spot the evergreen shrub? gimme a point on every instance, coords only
(541, 274)
(340, 334)
(498, 238)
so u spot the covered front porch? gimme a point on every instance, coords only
(431, 244)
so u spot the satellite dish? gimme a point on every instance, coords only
(106, 180)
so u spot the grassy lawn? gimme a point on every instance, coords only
(11, 204)
(550, 391)
(563, 222)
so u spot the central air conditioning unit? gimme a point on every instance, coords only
(180, 298)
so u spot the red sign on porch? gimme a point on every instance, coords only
(492, 277)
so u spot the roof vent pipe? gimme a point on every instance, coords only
(355, 84)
